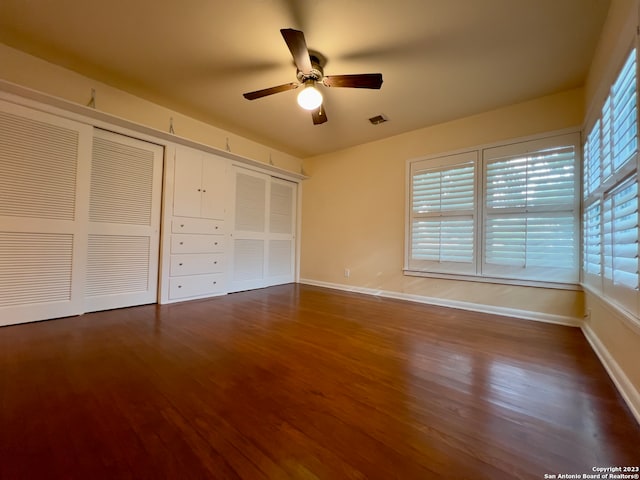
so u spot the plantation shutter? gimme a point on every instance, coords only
(610, 245)
(592, 238)
(620, 225)
(624, 110)
(593, 159)
(443, 214)
(531, 223)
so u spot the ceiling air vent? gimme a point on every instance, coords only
(378, 119)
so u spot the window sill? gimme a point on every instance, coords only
(495, 280)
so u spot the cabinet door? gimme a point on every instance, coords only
(187, 196)
(214, 184)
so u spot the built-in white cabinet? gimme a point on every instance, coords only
(197, 253)
(246, 241)
(94, 217)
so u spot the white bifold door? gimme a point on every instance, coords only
(264, 225)
(124, 222)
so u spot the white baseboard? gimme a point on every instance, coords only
(626, 388)
(474, 307)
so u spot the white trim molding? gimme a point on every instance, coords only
(626, 388)
(460, 305)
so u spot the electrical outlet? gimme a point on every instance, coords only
(347, 273)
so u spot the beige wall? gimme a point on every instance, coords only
(354, 208)
(28, 71)
(617, 336)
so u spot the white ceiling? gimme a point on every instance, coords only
(440, 59)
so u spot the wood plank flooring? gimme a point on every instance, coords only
(300, 382)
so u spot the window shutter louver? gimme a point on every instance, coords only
(624, 111)
(443, 216)
(542, 179)
(621, 236)
(592, 241)
(531, 226)
(604, 161)
(443, 189)
(593, 159)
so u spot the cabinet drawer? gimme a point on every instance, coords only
(197, 225)
(197, 243)
(196, 286)
(196, 263)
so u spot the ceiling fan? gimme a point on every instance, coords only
(310, 73)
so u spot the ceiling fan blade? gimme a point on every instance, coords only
(270, 91)
(362, 80)
(298, 48)
(319, 115)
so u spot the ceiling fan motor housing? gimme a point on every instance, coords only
(317, 71)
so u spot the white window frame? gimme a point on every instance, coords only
(475, 272)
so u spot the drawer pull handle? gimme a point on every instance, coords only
(216, 227)
(182, 225)
(180, 264)
(216, 243)
(215, 283)
(181, 243)
(215, 263)
(179, 286)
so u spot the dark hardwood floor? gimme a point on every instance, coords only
(305, 383)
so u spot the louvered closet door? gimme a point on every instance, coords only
(263, 246)
(124, 222)
(281, 232)
(249, 264)
(43, 207)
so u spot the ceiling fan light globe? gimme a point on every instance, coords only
(310, 98)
